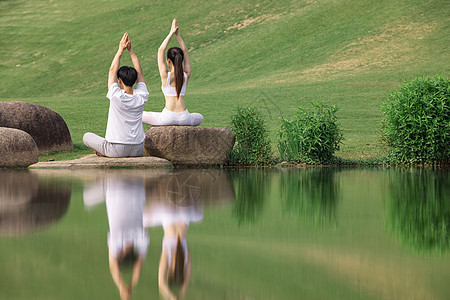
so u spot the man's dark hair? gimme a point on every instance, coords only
(128, 75)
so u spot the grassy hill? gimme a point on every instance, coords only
(275, 55)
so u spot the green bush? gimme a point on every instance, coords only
(311, 137)
(417, 121)
(252, 145)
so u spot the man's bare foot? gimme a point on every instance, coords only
(99, 154)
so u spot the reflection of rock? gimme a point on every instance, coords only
(17, 148)
(187, 145)
(210, 186)
(16, 189)
(28, 202)
(189, 187)
(45, 126)
(183, 189)
(418, 209)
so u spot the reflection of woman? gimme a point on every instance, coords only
(175, 261)
(173, 85)
(127, 239)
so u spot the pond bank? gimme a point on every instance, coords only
(94, 161)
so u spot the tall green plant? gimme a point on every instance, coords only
(252, 142)
(417, 121)
(313, 136)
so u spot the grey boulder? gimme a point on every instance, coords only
(187, 145)
(45, 126)
(17, 148)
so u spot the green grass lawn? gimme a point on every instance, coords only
(274, 55)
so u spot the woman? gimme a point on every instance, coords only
(173, 85)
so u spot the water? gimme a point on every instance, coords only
(314, 233)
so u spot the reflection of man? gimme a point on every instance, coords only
(127, 238)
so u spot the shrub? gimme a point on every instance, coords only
(252, 145)
(311, 137)
(417, 121)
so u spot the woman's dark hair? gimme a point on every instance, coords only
(176, 55)
(128, 75)
(177, 277)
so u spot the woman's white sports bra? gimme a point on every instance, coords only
(169, 90)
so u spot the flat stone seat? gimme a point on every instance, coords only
(94, 161)
(189, 145)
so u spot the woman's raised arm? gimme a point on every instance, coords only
(187, 62)
(161, 51)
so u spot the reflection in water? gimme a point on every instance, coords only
(418, 207)
(251, 188)
(174, 203)
(272, 258)
(29, 202)
(186, 187)
(173, 200)
(311, 193)
(127, 239)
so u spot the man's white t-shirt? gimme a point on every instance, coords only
(125, 199)
(125, 114)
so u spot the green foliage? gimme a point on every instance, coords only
(252, 142)
(312, 137)
(418, 209)
(417, 121)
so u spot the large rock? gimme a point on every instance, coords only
(17, 148)
(45, 126)
(187, 145)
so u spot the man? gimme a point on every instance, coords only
(124, 133)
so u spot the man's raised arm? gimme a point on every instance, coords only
(136, 64)
(112, 77)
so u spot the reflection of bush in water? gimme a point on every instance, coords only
(311, 193)
(251, 188)
(418, 208)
